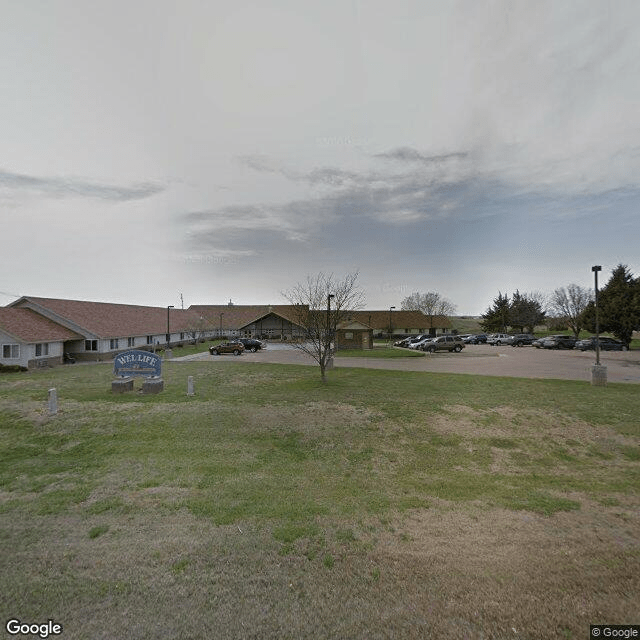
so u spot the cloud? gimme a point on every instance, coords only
(330, 176)
(407, 154)
(412, 195)
(74, 188)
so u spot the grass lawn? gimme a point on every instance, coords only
(269, 505)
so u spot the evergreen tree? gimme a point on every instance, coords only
(496, 317)
(525, 310)
(618, 306)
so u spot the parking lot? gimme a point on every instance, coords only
(520, 362)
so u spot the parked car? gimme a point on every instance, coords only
(444, 343)
(478, 338)
(559, 342)
(227, 347)
(405, 342)
(420, 343)
(538, 342)
(520, 339)
(606, 344)
(498, 338)
(253, 345)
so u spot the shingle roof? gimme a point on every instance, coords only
(109, 320)
(29, 326)
(400, 319)
(238, 316)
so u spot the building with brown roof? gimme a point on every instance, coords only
(38, 330)
(259, 321)
(102, 329)
(30, 340)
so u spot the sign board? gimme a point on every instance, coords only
(137, 363)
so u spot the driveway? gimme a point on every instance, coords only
(523, 362)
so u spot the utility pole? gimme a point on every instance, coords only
(598, 372)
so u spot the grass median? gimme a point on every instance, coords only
(269, 505)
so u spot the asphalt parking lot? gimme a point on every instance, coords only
(519, 362)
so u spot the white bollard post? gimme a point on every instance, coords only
(53, 402)
(190, 388)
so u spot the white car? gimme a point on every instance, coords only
(421, 343)
(499, 338)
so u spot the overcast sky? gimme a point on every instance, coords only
(226, 150)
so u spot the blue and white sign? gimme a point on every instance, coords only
(137, 363)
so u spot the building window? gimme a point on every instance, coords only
(42, 350)
(149, 339)
(113, 343)
(90, 345)
(131, 342)
(181, 336)
(11, 351)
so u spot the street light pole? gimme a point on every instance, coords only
(595, 273)
(331, 295)
(390, 325)
(168, 330)
(598, 372)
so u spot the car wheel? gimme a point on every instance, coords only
(236, 352)
(431, 349)
(519, 344)
(457, 348)
(624, 348)
(254, 349)
(215, 352)
(498, 343)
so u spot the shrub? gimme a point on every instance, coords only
(11, 368)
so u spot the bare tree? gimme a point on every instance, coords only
(198, 329)
(431, 303)
(321, 303)
(569, 303)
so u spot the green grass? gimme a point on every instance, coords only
(283, 468)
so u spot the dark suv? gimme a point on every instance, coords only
(520, 339)
(227, 347)
(559, 342)
(250, 344)
(444, 343)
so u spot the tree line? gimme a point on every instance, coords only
(573, 306)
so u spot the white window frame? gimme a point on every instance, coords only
(43, 349)
(113, 344)
(92, 345)
(131, 342)
(13, 349)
